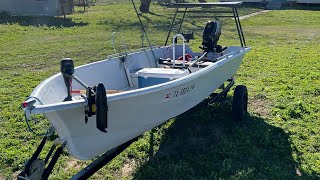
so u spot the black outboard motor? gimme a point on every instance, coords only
(67, 70)
(211, 35)
(96, 96)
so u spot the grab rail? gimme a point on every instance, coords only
(174, 49)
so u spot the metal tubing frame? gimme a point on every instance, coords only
(237, 24)
(143, 29)
(215, 16)
(53, 161)
(237, 16)
(171, 26)
(208, 4)
(49, 154)
(184, 15)
(215, 12)
(224, 92)
(234, 15)
(183, 50)
(180, 26)
(80, 82)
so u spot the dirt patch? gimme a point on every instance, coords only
(1, 177)
(13, 176)
(253, 14)
(259, 107)
(72, 163)
(128, 168)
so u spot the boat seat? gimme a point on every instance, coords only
(178, 64)
(77, 93)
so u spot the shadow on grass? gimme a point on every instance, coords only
(206, 143)
(41, 21)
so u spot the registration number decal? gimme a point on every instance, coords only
(180, 92)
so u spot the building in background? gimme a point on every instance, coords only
(36, 7)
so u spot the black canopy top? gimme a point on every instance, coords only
(211, 4)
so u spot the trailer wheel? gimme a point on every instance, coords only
(4, 14)
(240, 103)
(35, 170)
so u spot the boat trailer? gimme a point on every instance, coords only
(37, 169)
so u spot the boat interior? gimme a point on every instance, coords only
(144, 68)
(141, 70)
(133, 70)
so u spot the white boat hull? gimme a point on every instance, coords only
(131, 113)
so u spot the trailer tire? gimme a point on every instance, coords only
(240, 103)
(4, 14)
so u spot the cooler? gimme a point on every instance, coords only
(152, 76)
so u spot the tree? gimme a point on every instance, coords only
(145, 4)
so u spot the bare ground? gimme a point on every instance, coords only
(128, 168)
(259, 106)
(72, 164)
(254, 14)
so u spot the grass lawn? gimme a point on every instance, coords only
(279, 140)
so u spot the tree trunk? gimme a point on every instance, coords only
(145, 5)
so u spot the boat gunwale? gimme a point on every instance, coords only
(46, 108)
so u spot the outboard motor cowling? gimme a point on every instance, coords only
(67, 70)
(211, 35)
